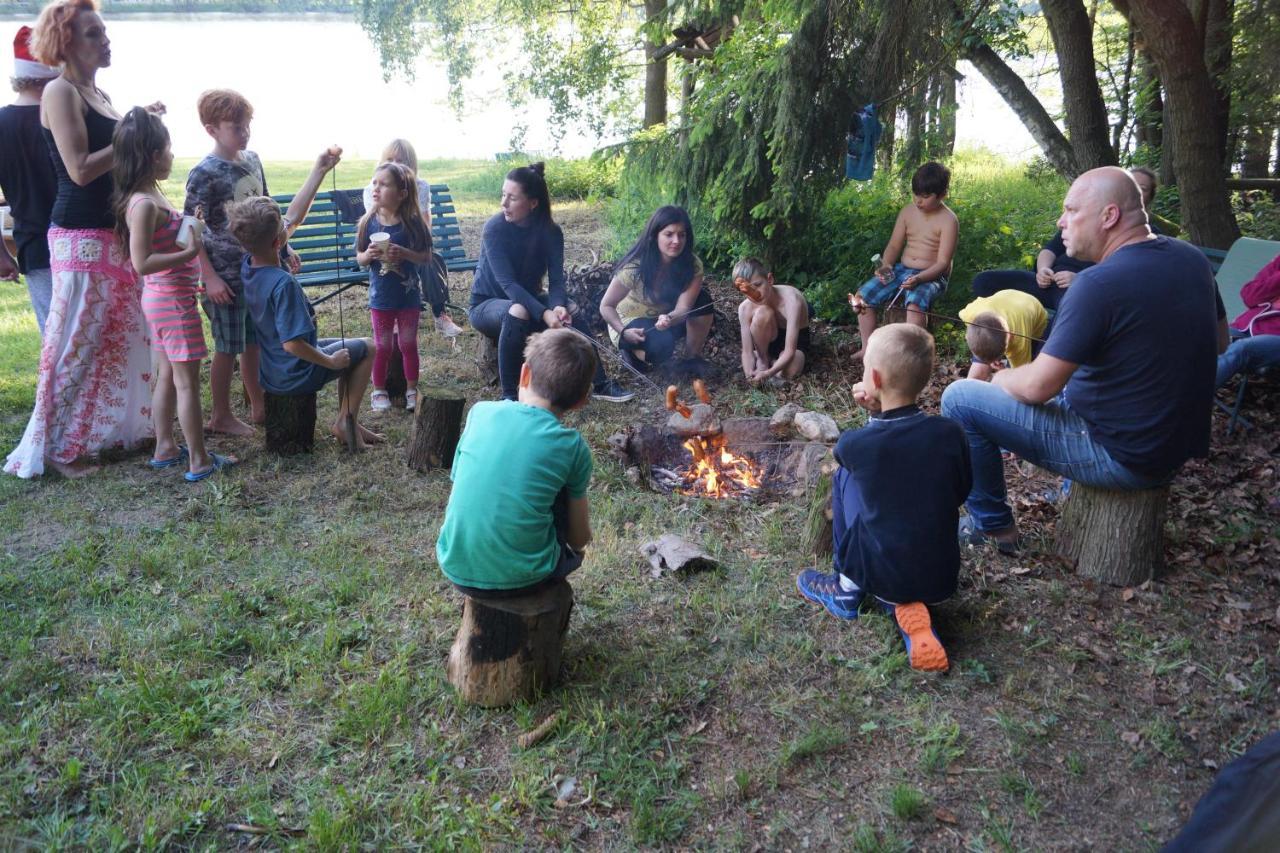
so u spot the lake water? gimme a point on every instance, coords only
(317, 80)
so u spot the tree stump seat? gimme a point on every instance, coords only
(290, 424)
(437, 426)
(1114, 536)
(509, 649)
(487, 359)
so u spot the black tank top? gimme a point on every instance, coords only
(89, 206)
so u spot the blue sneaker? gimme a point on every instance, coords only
(825, 589)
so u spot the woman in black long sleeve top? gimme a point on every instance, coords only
(520, 245)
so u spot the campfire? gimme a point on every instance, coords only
(717, 472)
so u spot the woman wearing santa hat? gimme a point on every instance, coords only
(26, 178)
(92, 391)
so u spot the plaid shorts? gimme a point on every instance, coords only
(231, 325)
(877, 292)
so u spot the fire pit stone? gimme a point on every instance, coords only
(702, 421)
(817, 426)
(782, 420)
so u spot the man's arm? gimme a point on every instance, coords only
(1037, 382)
(578, 535)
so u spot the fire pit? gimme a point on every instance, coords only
(735, 459)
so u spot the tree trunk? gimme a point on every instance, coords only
(945, 145)
(510, 649)
(1257, 152)
(436, 429)
(913, 149)
(888, 135)
(655, 73)
(1057, 150)
(687, 84)
(1113, 536)
(1149, 112)
(1125, 98)
(291, 423)
(1085, 111)
(486, 359)
(1170, 35)
(1213, 19)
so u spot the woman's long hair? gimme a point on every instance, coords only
(662, 287)
(415, 227)
(533, 184)
(137, 139)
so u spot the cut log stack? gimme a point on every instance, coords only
(1113, 536)
(291, 423)
(507, 650)
(437, 427)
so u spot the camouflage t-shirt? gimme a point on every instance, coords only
(213, 183)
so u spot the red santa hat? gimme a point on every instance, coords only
(24, 64)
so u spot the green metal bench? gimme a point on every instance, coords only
(325, 241)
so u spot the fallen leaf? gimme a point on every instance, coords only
(946, 816)
(1131, 738)
(1128, 594)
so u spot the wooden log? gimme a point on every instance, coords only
(898, 314)
(436, 429)
(291, 423)
(396, 384)
(509, 649)
(487, 359)
(1113, 536)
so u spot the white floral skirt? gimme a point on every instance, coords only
(93, 391)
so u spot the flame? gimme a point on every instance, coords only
(716, 472)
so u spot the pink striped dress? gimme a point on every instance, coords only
(169, 298)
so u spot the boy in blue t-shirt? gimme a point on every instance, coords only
(518, 516)
(294, 361)
(895, 498)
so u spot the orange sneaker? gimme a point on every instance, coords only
(924, 650)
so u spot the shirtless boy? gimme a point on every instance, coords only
(774, 319)
(929, 231)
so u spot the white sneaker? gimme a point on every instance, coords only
(446, 326)
(410, 400)
(380, 401)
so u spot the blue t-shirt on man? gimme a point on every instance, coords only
(1141, 325)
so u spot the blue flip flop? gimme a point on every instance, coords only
(161, 464)
(219, 463)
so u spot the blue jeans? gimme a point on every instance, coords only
(40, 287)
(1248, 354)
(1049, 435)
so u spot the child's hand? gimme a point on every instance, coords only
(374, 251)
(218, 291)
(663, 322)
(910, 282)
(865, 399)
(857, 303)
(292, 261)
(156, 109)
(884, 273)
(395, 253)
(340, 360)
(633, 336)
(329, 158)
(551, 320)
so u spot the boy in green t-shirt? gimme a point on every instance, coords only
(518, 514)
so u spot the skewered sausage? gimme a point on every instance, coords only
(700, 388)
(672, 392)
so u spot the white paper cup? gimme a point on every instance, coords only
(380, 238)
(190, 225)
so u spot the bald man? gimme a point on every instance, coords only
(1120, 396)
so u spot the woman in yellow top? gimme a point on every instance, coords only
(656, 297)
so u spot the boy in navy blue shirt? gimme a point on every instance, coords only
(294, 361)
(895, 498)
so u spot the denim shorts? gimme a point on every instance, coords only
(320, 376)
(877, 292)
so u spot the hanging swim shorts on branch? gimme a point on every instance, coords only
(862, 138)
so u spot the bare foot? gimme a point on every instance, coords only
(364, 437)
(228, 425)
(74, 470)
(857, 356)
(369, 436)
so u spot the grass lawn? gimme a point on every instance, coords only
(260, 658)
